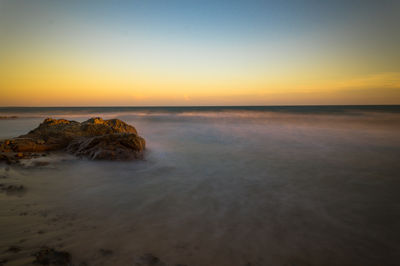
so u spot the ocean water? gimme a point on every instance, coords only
(218, 186)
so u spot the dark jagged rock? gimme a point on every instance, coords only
(95, 138)
(109, 147)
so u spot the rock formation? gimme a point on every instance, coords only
(95, 138)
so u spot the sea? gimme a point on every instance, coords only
(244, 185)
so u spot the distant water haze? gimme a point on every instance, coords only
(218, 186)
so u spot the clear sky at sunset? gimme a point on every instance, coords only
(140, 53)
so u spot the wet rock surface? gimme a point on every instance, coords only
(96, 139)
(10, 157)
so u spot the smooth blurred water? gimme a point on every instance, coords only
(219, 186)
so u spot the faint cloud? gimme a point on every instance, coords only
(381, 80)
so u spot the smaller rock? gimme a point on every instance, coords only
(40, 164)
(49, 256)
(106, 252)
(12, 189)
(149, 260)
(14, 249)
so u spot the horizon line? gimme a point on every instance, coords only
(189, 106)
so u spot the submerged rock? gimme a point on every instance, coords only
(49, 256)
(95, 138)
(12, 189)
(106, 252)
(14, 249)
(149, 260)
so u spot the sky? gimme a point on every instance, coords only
(190, 53)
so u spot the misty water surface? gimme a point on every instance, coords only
(217, 187)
